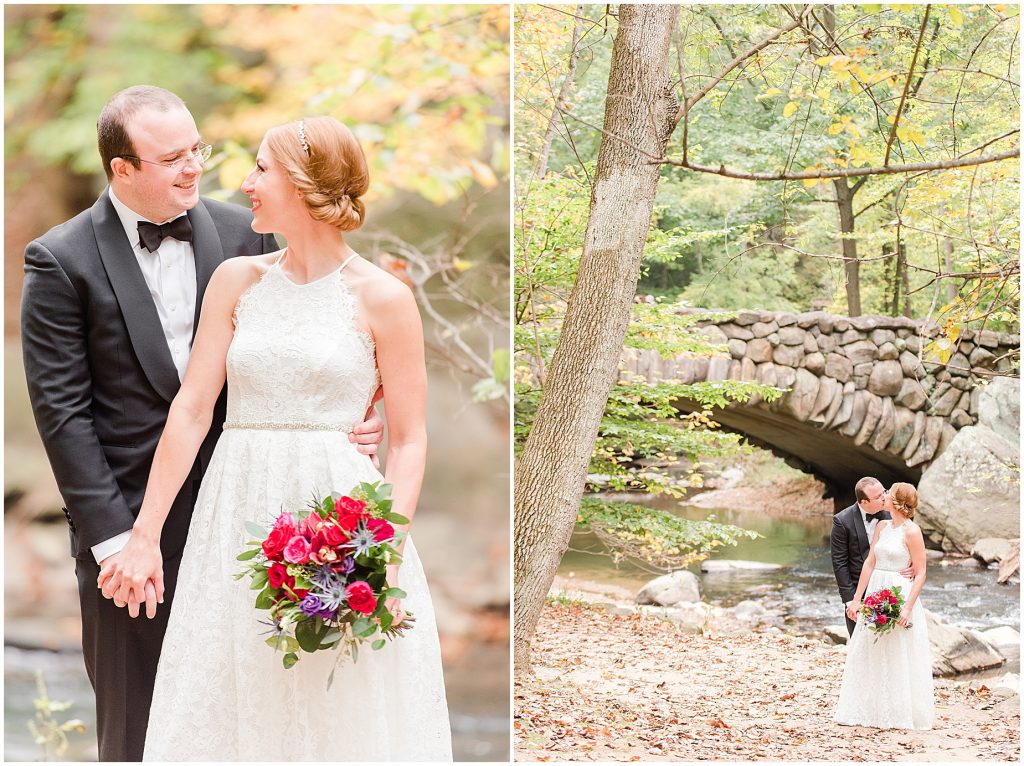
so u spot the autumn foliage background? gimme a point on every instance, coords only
(426, 90)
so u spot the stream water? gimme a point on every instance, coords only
(967, 597)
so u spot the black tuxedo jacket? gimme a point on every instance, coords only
(100, 375)
(850, 547)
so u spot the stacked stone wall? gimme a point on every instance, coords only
(863, 377)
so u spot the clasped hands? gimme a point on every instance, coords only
(134, 575)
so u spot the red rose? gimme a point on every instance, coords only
(892, 600)
(277, 574)
(276, 541)
(333, 535)
(360, 597)
(381, 529)
(882, 619)
(297, 550)
(349, 505)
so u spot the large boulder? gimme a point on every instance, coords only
(690, 616)
(671, 589)
(971, 491)
(956, 650)
(1004, 639)
(989, 549)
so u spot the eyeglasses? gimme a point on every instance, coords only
(878, 497)
(201, 153)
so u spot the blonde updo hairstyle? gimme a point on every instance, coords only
(332, 177)
(904, 498)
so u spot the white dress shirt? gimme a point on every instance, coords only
(170, 274)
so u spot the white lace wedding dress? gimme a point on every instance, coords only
(887, 684)
(300, 374)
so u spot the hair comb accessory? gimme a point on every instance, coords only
(302, 137)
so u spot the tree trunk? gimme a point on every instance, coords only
(552, 469)
(844, 201)
(563, 95)
(905, 279)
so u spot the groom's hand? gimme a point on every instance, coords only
(368, 435)
(134, 576)
(909, 572)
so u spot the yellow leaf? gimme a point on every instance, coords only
(842, 75)
(956, 17)
(835, 128)
(822, 60)
(773, 92)
(853, 130)
(790, 108)
(811, 182)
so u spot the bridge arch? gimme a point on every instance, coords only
(861, 398)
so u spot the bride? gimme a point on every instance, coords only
(304, 337)
(887, 681)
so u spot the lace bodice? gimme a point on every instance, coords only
(298, 356)
(891, 552)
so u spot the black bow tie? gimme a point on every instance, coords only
(869, 517)
(151, 234)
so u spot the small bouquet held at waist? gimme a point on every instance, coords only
(322, 574)
(881, 610)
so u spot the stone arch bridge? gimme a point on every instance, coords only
(862, 400)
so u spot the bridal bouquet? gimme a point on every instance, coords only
(881, 610)
(322, 574)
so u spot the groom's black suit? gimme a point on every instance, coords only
(101, 380)
(850, 546)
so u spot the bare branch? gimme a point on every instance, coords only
(906, 85)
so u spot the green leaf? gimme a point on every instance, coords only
(378, 644)
(363, 628)
(395, 518)
(259, 580)
(255, 529)
(395, 593)
(501, 362)
(247, 555)
(289, 659)
(265, 599)
(307, 634)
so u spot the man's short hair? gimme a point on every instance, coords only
(112, 128)
(861, 489)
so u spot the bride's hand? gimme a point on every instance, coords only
(853, 610)
(904, 620)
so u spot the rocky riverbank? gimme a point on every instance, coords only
(610, 687)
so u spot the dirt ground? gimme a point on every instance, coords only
(626, 688)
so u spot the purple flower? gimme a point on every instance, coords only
(347, 565)
(311, 606)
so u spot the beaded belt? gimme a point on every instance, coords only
(268, 426)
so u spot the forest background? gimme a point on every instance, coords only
(426, 90)
(854, 159)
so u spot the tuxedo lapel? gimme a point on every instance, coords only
(137, 307)
(862, 532)
(208, 253)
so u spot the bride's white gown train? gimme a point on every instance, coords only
(887, 683)
(300, 374)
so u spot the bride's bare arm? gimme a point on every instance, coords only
(398, 333)
(188, 422)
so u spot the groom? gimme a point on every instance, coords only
(853, 529)
(109, 309)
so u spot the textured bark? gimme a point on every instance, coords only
(550, 474)
(847, 226)
(563, 95)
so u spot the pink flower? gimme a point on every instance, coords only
(360, 597)
(297, 550)
(285, 521)
(882, 619)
